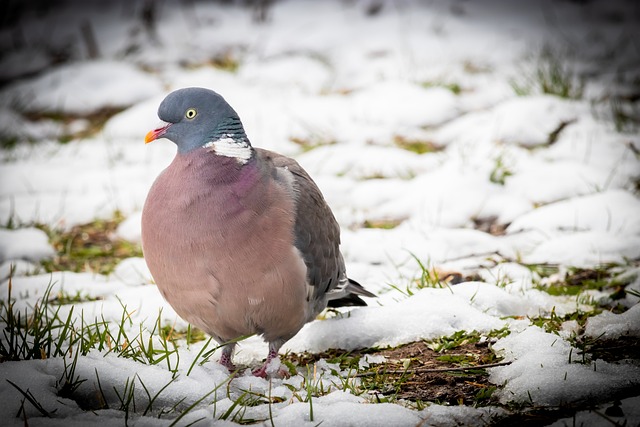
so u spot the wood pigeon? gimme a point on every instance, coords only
(239, 240)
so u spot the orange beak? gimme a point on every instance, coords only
(156, 133)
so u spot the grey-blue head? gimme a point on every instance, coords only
(196, 117)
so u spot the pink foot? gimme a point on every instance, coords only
(272, 368)
(225, 360)
(260, 372)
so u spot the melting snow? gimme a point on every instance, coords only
(553, 171)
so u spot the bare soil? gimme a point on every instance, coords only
(415, 372)
(418, 374)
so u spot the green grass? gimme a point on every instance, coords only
(416, 146)
(460, 338)
(542, 270)
(8, 142)
(89, 247)
(551, 75)
(28, 396)
(484, 395)
(457, 359)
(500, 171)
(226, 61)
(552, 323)
(311, 142)
(625, 114)
(38, 333)
(611, 279)
(64, 298)
(190, 335)
(95, 121)
(455, 88)
(574, 281)
(384, 224)
(42, 331)
(428, 277)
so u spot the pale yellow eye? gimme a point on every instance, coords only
(191, 113)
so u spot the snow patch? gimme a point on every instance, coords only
(29, 244)
(82, 88)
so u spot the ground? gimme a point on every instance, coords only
(482, 160)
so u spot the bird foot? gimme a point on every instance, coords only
(227, 363)
(260, 372)
(271, 368)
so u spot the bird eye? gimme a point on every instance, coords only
(191, 113)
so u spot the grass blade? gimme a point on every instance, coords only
(197, 402)
(31, 398)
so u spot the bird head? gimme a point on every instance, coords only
(197, 117)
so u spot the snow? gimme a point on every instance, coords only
(553, 173)
(542, 182)
(614, 212)
(381, 162)
(14, 126)
(630, 409)
(402, 104)
(18, 268)
(18, 63)
(28, 244)
(586, 248)
(610, 326)
(109, 84)
(529, 121)
(372, 327)
(308, 74)
(335, 409)
(545, 369)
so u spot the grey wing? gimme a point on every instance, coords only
(317, 233)
(317, 237)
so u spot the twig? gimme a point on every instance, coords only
(432, 370)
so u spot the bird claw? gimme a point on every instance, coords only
(272, 368)
(283, 373)
(227, 363)
(261, 372)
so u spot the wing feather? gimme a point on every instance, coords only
(317, 233)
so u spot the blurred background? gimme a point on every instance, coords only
(415, 115)
(493, 145)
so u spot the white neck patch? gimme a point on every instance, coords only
(230, 147)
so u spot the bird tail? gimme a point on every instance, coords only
(352, 293)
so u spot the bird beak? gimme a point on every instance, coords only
(156, 133)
